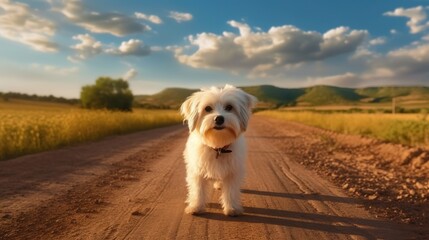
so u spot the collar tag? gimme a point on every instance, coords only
(221, 150)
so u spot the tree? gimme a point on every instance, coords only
(5, 97)
(107, 93)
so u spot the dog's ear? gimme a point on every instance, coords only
(189, 111)
(248, 102)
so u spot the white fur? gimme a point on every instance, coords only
(202, 166)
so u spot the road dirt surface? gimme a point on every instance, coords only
(392, 180)
(133, 187)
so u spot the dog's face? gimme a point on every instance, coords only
(219, 115)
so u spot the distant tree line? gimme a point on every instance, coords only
(106, 93)
(33, 97)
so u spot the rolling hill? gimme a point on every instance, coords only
(327, 95)
(167, 98)
(271, 96)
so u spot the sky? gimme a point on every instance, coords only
(57, 46)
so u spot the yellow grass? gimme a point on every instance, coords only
(24, 131)
(27, 105)
(409, 129)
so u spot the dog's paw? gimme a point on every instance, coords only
(194, 210)
(217, 185)
(233, 212)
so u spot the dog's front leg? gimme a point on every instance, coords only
(197, 187)
(230, 198)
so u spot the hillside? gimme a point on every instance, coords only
(327, 95)
(385, 94)
(274, 96)
(167, 98)
(271, 96)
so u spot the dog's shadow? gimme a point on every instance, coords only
(311, 221)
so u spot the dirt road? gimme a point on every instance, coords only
(133, 187)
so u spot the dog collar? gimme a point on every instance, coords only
(222, 150)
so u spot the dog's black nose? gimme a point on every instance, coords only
(219, 120)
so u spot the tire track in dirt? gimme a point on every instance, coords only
(141, 196)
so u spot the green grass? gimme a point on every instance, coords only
(408, 129)
(28, 129)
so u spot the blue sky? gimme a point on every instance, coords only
(57, 46)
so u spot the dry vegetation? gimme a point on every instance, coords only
(33, 127)
(408, 129)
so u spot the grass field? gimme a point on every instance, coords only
(408, 129)
(29, 127)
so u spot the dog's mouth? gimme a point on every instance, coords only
(219, 127)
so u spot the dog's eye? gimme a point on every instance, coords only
(228, 107)
(208, 109)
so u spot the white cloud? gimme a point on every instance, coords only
(377, 41)
(416, 16)
(393, 31)
(130, 74)
(131, 47)
(407, 64)
(180, 17)
(402, 66)
(88, 47)
(362, 52)
(365, 50)
(347, 79)
(259, 52)
(156, 48)
(54, 69)
(411, 60)
(151, 18)
(108, 22)
(21, 24)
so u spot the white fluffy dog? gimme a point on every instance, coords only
(216, 148)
